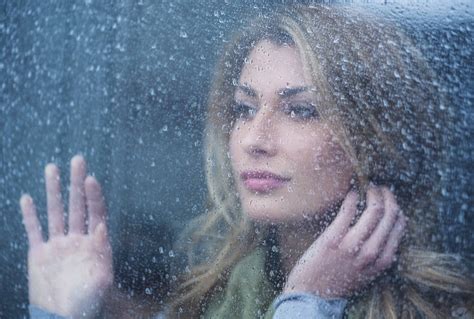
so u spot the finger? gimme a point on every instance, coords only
(77, 205)
(388, 255)
(54, 201)
(100, 234)
(30, 220)
(95, 203)
(341, 223)
(369, 219)
(374, 244)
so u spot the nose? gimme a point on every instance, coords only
(260, 137)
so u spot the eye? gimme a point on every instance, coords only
(242, 110)
(304, 111)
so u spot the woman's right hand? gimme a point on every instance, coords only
(69, 273)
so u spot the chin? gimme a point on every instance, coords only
(273, 210)
(267, 213)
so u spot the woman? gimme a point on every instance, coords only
(370, 111)
(309, 107)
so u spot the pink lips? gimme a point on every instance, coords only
(262, 181)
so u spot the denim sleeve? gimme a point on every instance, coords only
(38, 313)
(160, 315)
(308, 306)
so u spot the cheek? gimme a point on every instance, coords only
(331, 155)
(235, 149)
(335, 171)
(323, 166)
(326, 151)
(309, 155)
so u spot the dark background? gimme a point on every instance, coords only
(125, 83)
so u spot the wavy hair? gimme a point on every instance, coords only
(384, 102)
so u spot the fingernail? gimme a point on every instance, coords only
(25, 199)
(77, 159)
(50, 169)
(90, 179)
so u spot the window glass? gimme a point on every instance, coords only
(127, 84)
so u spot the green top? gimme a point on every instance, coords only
(248, 293)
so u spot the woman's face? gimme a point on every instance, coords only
(286, 162)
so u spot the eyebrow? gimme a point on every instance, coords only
(247, 90)
(286, 92)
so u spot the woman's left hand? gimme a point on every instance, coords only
(345, 258)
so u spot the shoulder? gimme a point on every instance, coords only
(251, 265)
(247, 294)
(248, 276)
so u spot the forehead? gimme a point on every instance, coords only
(271, 67)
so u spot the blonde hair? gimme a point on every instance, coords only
(383, 102)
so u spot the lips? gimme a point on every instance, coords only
(262, 181)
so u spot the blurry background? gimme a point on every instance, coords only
(125, 83)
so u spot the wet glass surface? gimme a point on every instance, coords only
(126, 84)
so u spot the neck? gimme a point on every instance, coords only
(295, 238)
